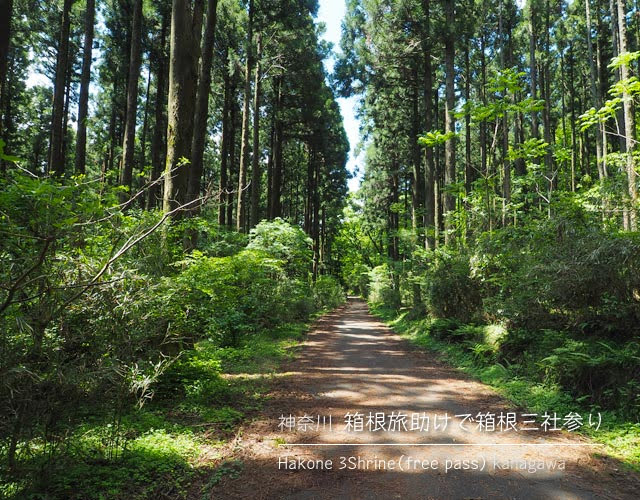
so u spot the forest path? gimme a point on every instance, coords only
(353, 363)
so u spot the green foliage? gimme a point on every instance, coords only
(327, 293)
(284, 242)
(451, 290)
(382, 289)
(435, 138)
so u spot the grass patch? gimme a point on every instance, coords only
(515, 382)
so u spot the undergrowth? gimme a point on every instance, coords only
(158, 450)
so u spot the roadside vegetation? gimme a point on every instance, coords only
(132, 387)
(547, 313)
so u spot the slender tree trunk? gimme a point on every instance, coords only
(483, 96)
(615, 42)
(224, 146)
(548, 136)
(595, 91)
(244, 147)
(532, 67)
(270, 167)
(449, 120)
(160, 129)
(56, 154)
(6, 12)
(129, 145)
(65, 119)
(417, 179)
(232, 150)
(186, 24)
(202, 105)
(629, 122)
(256, 174)
(437, 183)
(468, 167)
(112, 133)
(85, 81)
(145, 125)
(506, 166)
(276, 190)
(429, 169)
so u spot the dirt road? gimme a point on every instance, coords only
(353, 365)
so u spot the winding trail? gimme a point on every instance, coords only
(353, 363)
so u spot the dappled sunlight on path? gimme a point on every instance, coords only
(351, 368)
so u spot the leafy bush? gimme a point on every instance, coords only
(327, 293)
(284, 242)
(451, 291)
(382, 289)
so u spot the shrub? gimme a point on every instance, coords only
(382, 289)
(451, 291)
(327, 293)
(285, 242)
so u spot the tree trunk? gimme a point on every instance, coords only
(129, 144)
(595, 91)
(186, 24)
(629, 121)
(256, 174)
(232, 149)
(546, 96)
(56, 162)
(429, 169)
(6, 12)
(224, 146)
(615, 42)
(65, 119)
(276, 206)
(469, 176)
(244, 147)
(532, 68)
(506, 167)
(202, 105)
(160, 129)
(85, 81)
(449, 121)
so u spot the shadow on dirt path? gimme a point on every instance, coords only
(351, 364)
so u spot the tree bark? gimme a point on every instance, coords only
(129, 144)
(256, 173)
(224, 146)
(244, 147)
(595, 91)
(276, 188)
(202, 105)
(85, 81)
(449, 121)
(56, 154)
(160, 129)
(232, 149)
(186, 24)
(629, 121)
(429, 169)
(6, 11)
(615, 43)
(532, 67)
